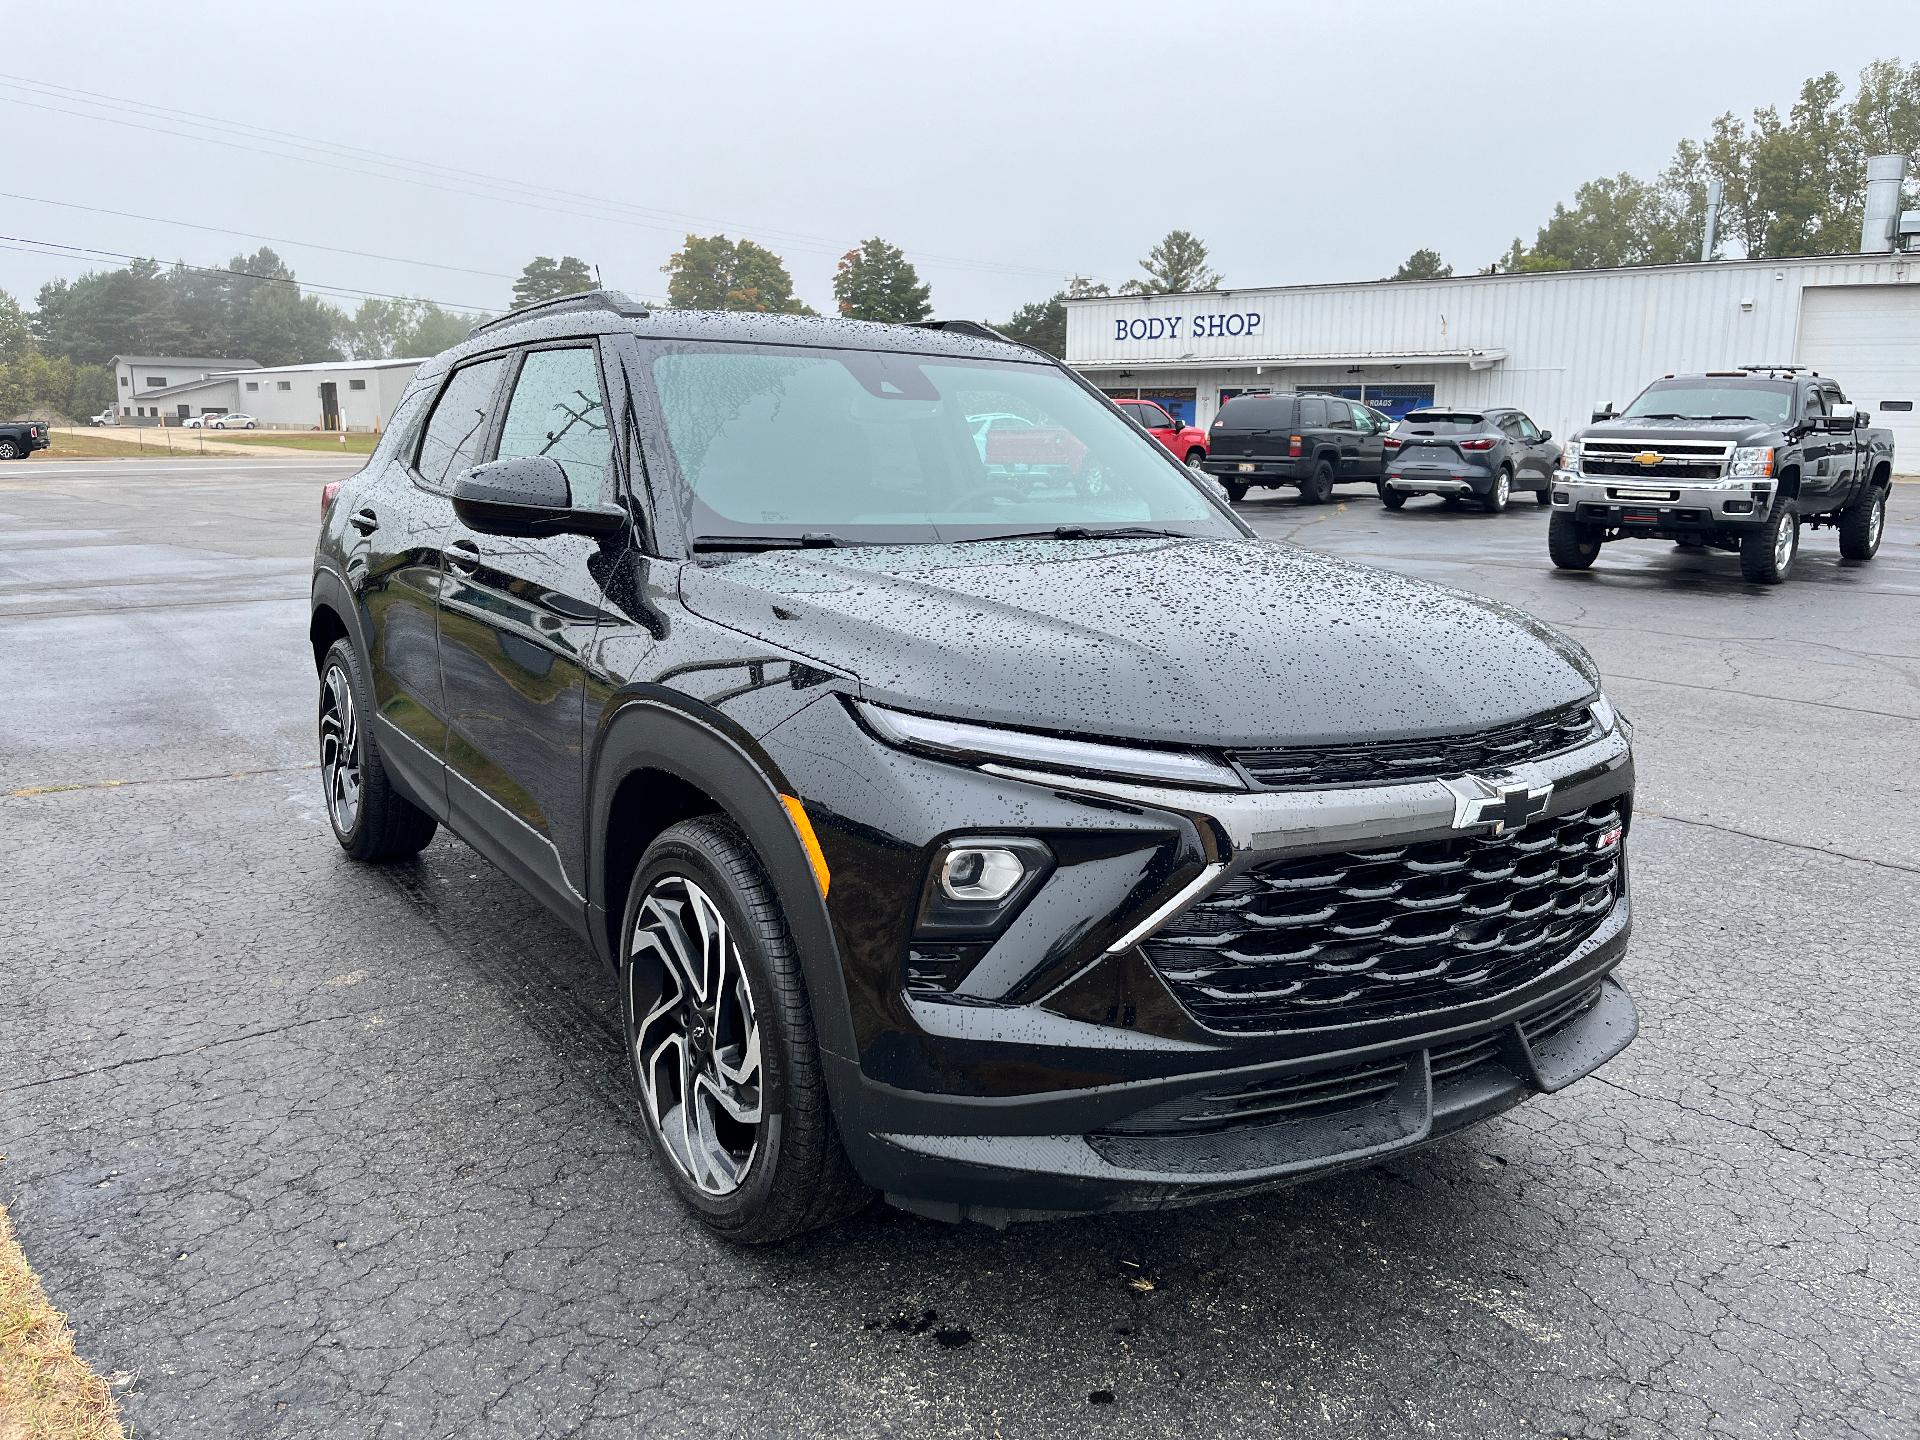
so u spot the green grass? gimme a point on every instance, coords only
(357, 444)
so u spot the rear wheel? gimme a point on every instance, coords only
(1317, 488)
(721, 1040)
(1495, 500)
(1767, 551)
(1860, 527)
(1391, 498)
(9, 450)
(1236, 490)
(371, 820)
(1573, 544)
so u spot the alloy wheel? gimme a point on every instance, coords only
(340, 749)
(1784, 542)
(696, 1037)
(1876, 519)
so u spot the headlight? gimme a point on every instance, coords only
(986, 744)
(1751, 462)
(1606, 716)
(1570, 455)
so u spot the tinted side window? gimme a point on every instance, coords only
(1313, 413)
(459, 424)
(1256, 412)
(557, 411)
(1529, 431)
(1816, 403)
(1153, 417)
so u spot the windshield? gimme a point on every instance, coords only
(1767, 400)
(845, 446)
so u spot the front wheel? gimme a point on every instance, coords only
(1194, 457)
(1573, 544)
(1236, 490)
(1860, 527)
(1767, 551)
(1391, 498)
(1495, 500)
(721, 1039)
(1317, 488)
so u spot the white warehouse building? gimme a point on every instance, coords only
(327, 395)
(1556, 344)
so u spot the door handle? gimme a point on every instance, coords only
(464, 556)
(364, 520)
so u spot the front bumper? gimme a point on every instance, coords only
(1020, 1089)
(1658, 507)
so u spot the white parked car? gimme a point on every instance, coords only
(230, 422)
(105, 417)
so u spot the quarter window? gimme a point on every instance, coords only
(557, 411)
(1313, 413)
(459, 424)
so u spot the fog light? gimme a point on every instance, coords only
(1561, 497)
(980, 873)
(1739, 507)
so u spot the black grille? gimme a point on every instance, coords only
(1384, 762)
(1347, 1087)
(1371, 934)
(1665, 470)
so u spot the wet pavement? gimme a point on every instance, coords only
(307, 1149)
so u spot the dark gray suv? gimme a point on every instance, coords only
(1483, 454)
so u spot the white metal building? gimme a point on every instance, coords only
(1555, 344)
(137, 376)
(330, 395)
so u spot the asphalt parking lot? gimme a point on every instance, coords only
(310, 1150)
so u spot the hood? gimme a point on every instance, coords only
(1740, 432)
(1214, 642)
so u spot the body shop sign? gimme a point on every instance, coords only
(1189, 327)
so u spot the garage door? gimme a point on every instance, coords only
(1867, 337)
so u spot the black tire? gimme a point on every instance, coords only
(1195, 456)
(9, 450)
(1573, 544)
(1495, 500)
(1689, 544)
(1861, 525)
(1545, 496)
(796, 1175)
(1453, 502)
(384, 824)
(1317, 488)
(1767, 551)
(1391, 498)
(248, 426)
(1236, 490)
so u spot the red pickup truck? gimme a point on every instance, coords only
(1188, 443)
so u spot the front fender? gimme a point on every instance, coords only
(660, 729)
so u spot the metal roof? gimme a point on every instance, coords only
(208, 362)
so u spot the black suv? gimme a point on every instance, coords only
(1007, 848)
(1312, 441)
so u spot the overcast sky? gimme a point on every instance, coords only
(1003, 145)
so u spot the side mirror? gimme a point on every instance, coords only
(1545, 435)
(1603, 411)
(1862, 419)
(528, 495)
(1840, 422)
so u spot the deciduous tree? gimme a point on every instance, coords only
(877, 282)
(711, 272)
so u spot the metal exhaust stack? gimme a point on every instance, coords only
(1885, 175)
(1713, 221)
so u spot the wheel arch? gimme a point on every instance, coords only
(1790, 482)
(658, 759)
(334, 617)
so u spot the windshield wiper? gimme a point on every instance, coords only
(810, 540)
(1754, 418)
(1659, 415)
(1083, 532)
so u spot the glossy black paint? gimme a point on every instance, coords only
(558, 699)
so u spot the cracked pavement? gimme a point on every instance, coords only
(308, 1149)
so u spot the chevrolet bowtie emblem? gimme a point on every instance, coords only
(1504, 804)
(1648, 457)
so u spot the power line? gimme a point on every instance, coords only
(517, 189)
(252, 235)
(82, 252)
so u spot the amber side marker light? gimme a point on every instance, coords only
(810, 842)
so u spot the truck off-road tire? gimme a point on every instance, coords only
(1236, 490)
(1495, 500)
(371, 820)
(1573, 544)
(720, 1036)
(9, 450)
(1317, 488)
(1860, 526)
(1767, 551)
(1391, 498)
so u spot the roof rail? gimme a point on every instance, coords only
(975, 328)
(610, 300)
